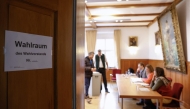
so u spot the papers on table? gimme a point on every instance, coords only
(143, 84)
(144, 89)
(136, 80)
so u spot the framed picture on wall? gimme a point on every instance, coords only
(133, 40)
(171, 40)
(157, 38)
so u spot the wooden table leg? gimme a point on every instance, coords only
(121, 103)
(160, 100)
(118, 98)
(157, 104)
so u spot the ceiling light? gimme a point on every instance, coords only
(85, 1)
(90, 21)
(118, 0)
(121, 20)
(116, 20)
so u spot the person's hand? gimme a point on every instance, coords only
(93, 69)
(138, 70)
(153, 78)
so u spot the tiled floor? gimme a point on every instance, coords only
(110, 100)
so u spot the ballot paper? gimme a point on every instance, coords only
(144, 89)
(140, 83)
(136, 80)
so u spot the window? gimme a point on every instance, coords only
(107, 47)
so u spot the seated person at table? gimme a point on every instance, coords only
(149, 72)
(130, 71)
(160, 84)
(141, 73)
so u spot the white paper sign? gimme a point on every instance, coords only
(27, 51)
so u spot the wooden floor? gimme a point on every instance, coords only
(110, 100)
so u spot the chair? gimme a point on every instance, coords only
(113, 75)
(175, 103)
(170, 79)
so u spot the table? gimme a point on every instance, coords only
(127, 89)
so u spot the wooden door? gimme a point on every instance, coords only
(46, 88)
(32, 89)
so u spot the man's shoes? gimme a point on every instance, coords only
(88, 101)
(107, 91)
(146, 107)
(87, 97)
(140, 103)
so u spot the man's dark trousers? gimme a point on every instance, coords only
(103, 72)
(87, 84)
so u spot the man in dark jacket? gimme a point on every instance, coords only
(89, 68)
(101, 60)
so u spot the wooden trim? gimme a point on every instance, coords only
(35, 8)
(127, 15)
(131, 5)
(93, 25)
(87, 12)
(152, 22)
(3, 75)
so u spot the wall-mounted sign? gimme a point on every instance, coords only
(25, 51)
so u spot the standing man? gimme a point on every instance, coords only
(100, 60)
(141, 73)
(89, 68)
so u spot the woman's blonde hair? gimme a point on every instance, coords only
(150, 67)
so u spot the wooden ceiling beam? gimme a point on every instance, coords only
(127, 15)
(117, 26)
(131, 5)
(88, 14)
(123, 21)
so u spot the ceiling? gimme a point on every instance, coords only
(124, 13)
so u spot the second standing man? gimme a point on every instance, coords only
(100, 61)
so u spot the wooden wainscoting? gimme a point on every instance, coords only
(177, 77)
(131, 63)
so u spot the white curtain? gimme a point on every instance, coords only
(117, 35)
(91, 40)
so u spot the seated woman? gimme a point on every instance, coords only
(149, 72)
(160, 84)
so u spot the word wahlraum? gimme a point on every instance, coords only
(29, 45)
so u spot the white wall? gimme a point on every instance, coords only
(155, 51)
(140, 52)
(184, 21)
